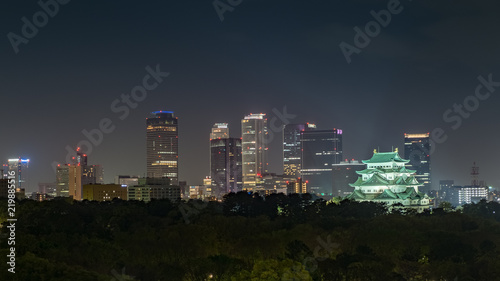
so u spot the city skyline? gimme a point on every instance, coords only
(238, 140)
(407, 80)
(225, 131)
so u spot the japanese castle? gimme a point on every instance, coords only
(387, 180)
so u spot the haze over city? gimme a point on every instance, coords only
(403, 81)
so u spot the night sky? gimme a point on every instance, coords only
(265, 55)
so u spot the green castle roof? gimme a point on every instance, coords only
(387, 194)
(384, 157)
(378, 180)
(356, 194)
(375, 180)
(380, 170)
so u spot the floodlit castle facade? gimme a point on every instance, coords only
(386, 180)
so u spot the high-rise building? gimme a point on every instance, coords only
(97, 172)
(220, 131)
(254, 149)
(225, 161)
(225, 165)
(62, 180)
(75, 181)
(162, 146)
(91, 174)
(417, 150)
(344, 174)
(292, 150)
(20, 167)
(320, 150)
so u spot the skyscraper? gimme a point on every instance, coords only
(220, 131)
(80, 173)
(88, 177)
(20, 167)
(320, 150)
(75, 181)
(225, 161)
(254, 149)
(417, 150)
(62, 180)
(162, 146)
(292, 151)
(343, 174)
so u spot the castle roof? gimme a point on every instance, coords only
(381, 170)
(375, 180)
(356, 194)
(384, 157)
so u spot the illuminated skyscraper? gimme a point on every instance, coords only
(254, 149)
(225, 165)
(292, 151)
(162, 146)
(62, 180)
(75, 181)
(220, 131)
(320, 150)
(417, 150)
(20, 167)
(90, 174)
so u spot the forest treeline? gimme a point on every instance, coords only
(248, 237)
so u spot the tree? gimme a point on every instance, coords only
(446, 206)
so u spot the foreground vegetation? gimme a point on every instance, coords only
(247, 237)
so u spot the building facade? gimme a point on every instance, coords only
(320, 150)
(254, 150)
(296, 186)
(62, 180)
(127, 180)
(225, 165)
(417, 150)
(21, 168)
(104, 192)
(343, 175)
(162, 146)
(292, 150)
(75, 181)
(460, 195)
(220, 131)
(139, 193)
